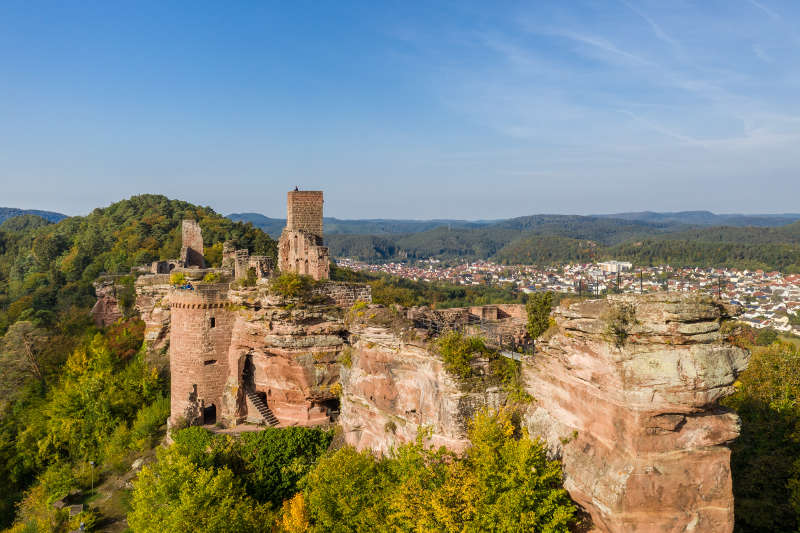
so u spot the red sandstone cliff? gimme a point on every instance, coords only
(294, 355)
(626, 394)
(394, 385)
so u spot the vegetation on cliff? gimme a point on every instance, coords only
(766, 456)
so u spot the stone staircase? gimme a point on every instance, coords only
(263, 409)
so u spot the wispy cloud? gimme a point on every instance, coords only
(657, 29)
(770, 13)
(608, 49)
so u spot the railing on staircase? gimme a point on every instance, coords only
(263, 409)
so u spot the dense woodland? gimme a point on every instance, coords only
(71, 394)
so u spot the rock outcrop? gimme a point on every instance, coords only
(627, 393)
(393, 385)
(288, 354)
(152, 303)
(106, 309)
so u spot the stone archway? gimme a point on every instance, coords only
(248, 382)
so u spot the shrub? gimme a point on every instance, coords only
(148, 421)
(126, 295)
(211, 277)
(620, 319)
(766, 337)
(458, 351)
(503, 482)
(346, 359)
(175, 494)
(177, 279)
(291, 285)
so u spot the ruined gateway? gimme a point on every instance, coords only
(626, 389)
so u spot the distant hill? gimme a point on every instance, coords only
(486, 241)
(698, 238)
(11, 212)
(378, 226)
(707, 218)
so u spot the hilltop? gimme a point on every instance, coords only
(11, 212)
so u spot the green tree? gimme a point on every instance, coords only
(763, 463)
(21, 352)
(346, 492)
(539, 306)
(174, 494)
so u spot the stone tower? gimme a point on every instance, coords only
(300, 248)
(200, 335)
(192, 244)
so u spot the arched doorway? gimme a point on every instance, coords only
(248, 374)
(210, 414)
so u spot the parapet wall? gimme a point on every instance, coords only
(345, 294)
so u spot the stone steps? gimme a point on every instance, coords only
(266, 413)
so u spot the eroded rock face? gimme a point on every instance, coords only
(394, 387)
(293, 356)
(152, 303)
(106, 310)
(627, 393)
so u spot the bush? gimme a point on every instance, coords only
(458, 352)
(766, 337)
(619, 321)
(211, 277)
(291, 285)
(177, 279)
(538, 308)
(148, 421)
(175, 494)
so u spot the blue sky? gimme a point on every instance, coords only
(403, 109)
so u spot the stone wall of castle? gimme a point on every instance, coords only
(345, 294)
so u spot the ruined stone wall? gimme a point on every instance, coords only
(344, 294)
(192, 244)
(302, 253)
(304, 212)
(627, 395)
(200, 334)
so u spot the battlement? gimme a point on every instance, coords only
(304, 211)
(202, 296)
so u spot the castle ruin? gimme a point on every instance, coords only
(300, 248)
(637, 425)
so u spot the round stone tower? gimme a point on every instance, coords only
(200, 335)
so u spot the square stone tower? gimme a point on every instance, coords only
(300, 248)
(304, 212)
